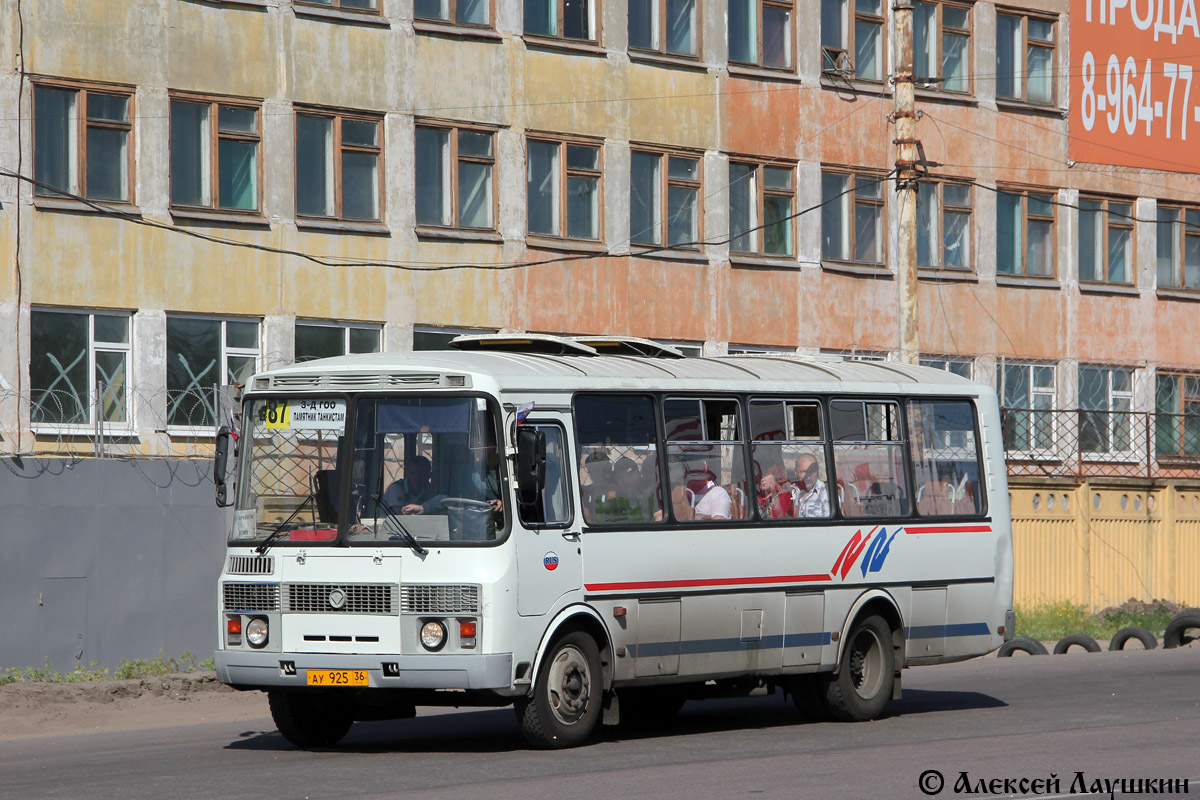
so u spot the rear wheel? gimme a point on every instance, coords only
(308, 719)
(863, 684)
(567, 694)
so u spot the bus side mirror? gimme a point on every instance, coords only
(531, 465)
(221, 464)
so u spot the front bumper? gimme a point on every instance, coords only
(257, 669)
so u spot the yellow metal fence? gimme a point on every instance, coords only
(1100, 545)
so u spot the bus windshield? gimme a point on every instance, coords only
(426, 467)
(289, 470)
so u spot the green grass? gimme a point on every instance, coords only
(1051, 622)
(163, 664)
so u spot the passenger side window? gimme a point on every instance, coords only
(868, 455)
(618, 451)
(945, 457)
(790, 472)
(555, 507)
(705, 460)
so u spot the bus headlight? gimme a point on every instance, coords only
(256, 632)
(433, 635)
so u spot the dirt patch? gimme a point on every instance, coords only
(52, 709)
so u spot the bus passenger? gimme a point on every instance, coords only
(712, 501)
(810, 496)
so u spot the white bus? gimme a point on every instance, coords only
(603, 530)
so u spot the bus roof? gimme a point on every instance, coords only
(540, 372)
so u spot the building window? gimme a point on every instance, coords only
(202, 355)
(563, 184)
(1177, 415)
(760, 33)
(337, 166)
(1105, 240)
(664, 26)
(459, 12)
(1024, 233)
(329, 339)
(852, 218)
(942, 45)
(214, 154)
(852, 38)
(664, 195)
(1178, 248)
(952, 364)
(561, 19)
(1105, 406)
(1025, 58)
(454, 177)
(79, 366)
(944, 225)
(344, 5)
(760, 208)
(1027, 398)
(81, 142)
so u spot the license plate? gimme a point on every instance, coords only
(337, 677)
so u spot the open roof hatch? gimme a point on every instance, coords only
(629, 346)
(538, 343)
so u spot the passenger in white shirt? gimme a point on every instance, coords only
(813, 499)
(713, 502)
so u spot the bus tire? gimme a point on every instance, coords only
(863, 684)
(808, 695)
(1143, 635)
(1180, 624)
(307, 719)
(567, 696)
(1022, 644)
(1076, 640)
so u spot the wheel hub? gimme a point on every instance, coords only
(569, 685)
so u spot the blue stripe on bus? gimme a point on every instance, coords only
(947, 631)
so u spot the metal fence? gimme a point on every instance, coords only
(1083, 443)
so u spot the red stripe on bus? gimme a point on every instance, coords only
(608, 587)
(953, 529)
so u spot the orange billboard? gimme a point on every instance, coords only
(1135, 97)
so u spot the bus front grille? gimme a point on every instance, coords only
(340, 598)
(439, 599)
(251, 597)
(251, 565)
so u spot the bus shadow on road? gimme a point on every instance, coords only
(495, 730)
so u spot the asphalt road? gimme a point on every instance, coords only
(1108, 715)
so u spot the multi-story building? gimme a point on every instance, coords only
(208, 187)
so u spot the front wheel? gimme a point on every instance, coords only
(866, 675)
(308, 719)
(566, 701)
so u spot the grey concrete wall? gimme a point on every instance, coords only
(104, 559)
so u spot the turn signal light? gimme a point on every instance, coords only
(466, 633)
(233, 626)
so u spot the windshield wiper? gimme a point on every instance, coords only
(281, 527)
(405, 536)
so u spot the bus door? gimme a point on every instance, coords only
(549, 563)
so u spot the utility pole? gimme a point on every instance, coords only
(906, 182)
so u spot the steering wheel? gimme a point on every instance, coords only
(456, 503)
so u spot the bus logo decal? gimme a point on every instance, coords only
(876, 553)
(550, 561)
